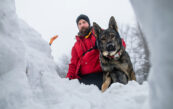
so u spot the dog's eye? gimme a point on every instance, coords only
(112, 36)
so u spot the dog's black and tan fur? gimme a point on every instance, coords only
(115, 61)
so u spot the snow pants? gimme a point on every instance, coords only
(93, 78)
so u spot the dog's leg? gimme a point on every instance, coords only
(107, 82)
(123, 67)
(113, 77)
(122, 78)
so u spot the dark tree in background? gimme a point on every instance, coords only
(146, 64)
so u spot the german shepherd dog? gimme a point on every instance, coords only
(115, 61)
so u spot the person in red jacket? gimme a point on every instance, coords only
(85, 63)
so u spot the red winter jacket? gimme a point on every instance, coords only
(84, 64)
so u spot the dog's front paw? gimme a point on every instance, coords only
(104, 87)
(106, 84)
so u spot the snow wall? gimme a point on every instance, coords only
(156, 19)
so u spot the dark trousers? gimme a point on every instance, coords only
(93, 78)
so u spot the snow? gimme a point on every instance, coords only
(28, 77)
(155, 18)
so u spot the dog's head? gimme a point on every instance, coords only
(108, 40)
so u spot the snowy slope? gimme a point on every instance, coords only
(28, 77)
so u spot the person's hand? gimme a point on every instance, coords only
(52, 39)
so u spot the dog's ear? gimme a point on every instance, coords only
(97, 29)
(113, 24)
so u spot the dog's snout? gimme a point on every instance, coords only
(110, 47)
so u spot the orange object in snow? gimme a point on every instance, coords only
(52, 39)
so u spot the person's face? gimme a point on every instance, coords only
(83, 26)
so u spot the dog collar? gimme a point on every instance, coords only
(116, 56)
